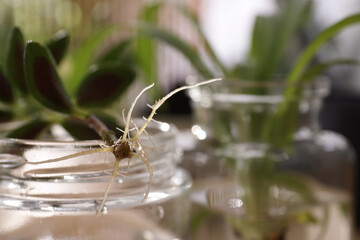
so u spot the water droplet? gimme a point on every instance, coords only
(198, 132)
(47, 209)
(164, 127)
(105, 210)
(69, 177)
(235, 203)
(159, 212)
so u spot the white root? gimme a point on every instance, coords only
(161, 101)
(132, 145)
(115, 170)
(151, 173)
(128, 117)
(79, 154)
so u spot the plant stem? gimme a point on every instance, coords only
(104, 132)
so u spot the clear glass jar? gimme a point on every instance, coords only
(235, 116)
(59, 200)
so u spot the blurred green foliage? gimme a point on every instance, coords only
(31, 74)
(271, 54)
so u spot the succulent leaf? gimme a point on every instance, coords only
(84, 56)
(15, 59)
(117, 52)
(110, 122)
(58, 45)
(104, 84)
(29, 130)
(5, 116)
(43, 80)
(79, 130)
(6, 94)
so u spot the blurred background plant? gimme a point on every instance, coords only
(277, 42)
(281, 47)
(272, 36)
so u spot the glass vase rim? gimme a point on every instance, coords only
(277, 81)
(28, 180)
(162, 127)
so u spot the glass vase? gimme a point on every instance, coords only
(270, 191)
(59, 200)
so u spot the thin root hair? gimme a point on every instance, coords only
(128, 117)
(151, 173)
(161, 101)
(115, 171)
(67, 157)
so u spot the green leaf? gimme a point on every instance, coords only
(199, 218)
(272, 34)
(241, 71)
(6, 94)
(110, 122)
(43, 80)
(283, 125)
(307, 55)
(29, 130)
(104, 84)
(321, 67)
(84, 55)
(116, 53)
(79, 130)
(146, 47)
(296, 184)
(284, 122)
(58, 45)
(15, 59)
(195, 21)
(306, 217)
(188, 51)
(6, 116)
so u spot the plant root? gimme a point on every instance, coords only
(126, 147)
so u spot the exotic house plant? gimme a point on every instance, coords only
(66, 178)
(263, 119)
